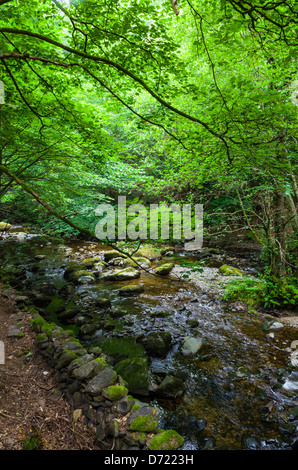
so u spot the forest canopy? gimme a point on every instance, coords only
(174, 101)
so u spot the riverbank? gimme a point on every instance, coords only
(33, 412)
(240, 360)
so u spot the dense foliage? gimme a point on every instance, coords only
(189, 101)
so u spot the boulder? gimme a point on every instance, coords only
(134, 370)
(137, 262)
(4, 226)
(76, 274)
(144, 420)
(120, 275)
(102, 302)
(108, 255)
(164, 269)
(132, 289)
(230, 271)
(170, 387)
(67, 290)
(166, 440)
(89, 369)
(191, 346)
(157, 343)
(41, 300)
(68, 314)
(102, 380)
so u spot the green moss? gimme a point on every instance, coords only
(101, 362)
(40, 325)
(136, 407)
(144, 424)
(139, 436)
(67, 357)
(134, 370)
(164, 269)
(90, 262)
(230, 271)
(121, 348)
(115, 392)
(41, 338)
(247, 289)
(166, 440)
(33, 442)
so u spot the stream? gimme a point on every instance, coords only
(241, 391)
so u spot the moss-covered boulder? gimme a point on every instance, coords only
(76, 274)
(166, 440)
(230, 271)
(121, 348)
(132, 289)
(89, 369)
(108, 255)
(157, 343)
(90, 262)
(170, 387)
(67, 290)
(68, 314)
(137, 262)
(134, 370)
(101, 381)
(115, 392)
(102, 302)
(4, 226)
(144, 418)
(120, 274)
(144, 424)
(164, 269)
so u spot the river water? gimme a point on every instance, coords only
(240, 389)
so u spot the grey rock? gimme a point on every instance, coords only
(170, 387)
(87, 370)
(102, 380)
(120, 275)
(156, 344)
(191, 346)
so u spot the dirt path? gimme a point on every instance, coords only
(31, 410)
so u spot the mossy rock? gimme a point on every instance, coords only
(170, 387)
(134, 371)
(120, 275)
(90, 369)
(75, 272)
(160, 314)
(132, 289)
(102, 302)
(157, 343)
(164, 269)
(137, 262)
(90, 262)
(108, 255)
(115, 392)
(166, 440)
(144, 424)
(4, 226)
(230, 271)
(67, 357)
(121, 348)
(68, 314)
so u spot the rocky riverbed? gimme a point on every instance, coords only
(220, 376)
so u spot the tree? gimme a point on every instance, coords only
(213, 79)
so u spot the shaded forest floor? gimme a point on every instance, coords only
(32, 413)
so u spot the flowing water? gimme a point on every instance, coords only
(239, 389)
